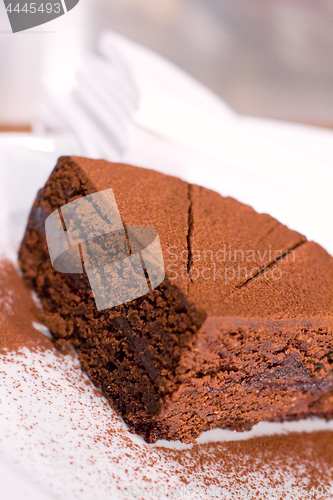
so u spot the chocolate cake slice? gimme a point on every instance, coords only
(239, 331)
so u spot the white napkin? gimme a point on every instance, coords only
(131, 105)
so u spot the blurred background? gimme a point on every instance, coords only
(268, 58)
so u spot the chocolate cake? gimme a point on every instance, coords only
(239, 331)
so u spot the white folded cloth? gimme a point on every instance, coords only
(131, 105)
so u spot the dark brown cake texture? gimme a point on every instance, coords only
(239, 331)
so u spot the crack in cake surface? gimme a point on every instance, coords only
(262, 270)
(190, 224)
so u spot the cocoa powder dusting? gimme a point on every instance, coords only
(18, 311)
(72, 444)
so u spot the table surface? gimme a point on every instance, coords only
(15, 128)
